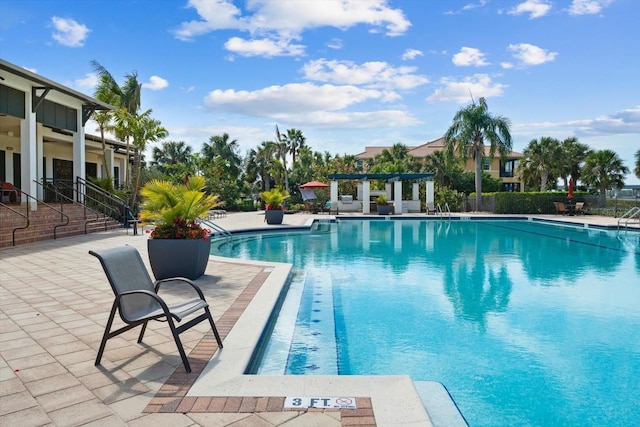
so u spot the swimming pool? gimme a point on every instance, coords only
(525, 323)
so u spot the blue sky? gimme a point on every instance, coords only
(349, 73)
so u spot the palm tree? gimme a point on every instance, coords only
(282, 149)
(144, 130)
(224, 152)
(637, 168)
(573, 155)
(172, 153)
(437, 164)
(127, 98)
(541, 160)
(466, 136)
(296, 141)
(604, 169)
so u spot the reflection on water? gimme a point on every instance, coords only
(525, 323)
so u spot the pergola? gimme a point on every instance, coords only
(395, 178)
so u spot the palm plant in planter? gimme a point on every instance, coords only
(178, 246)
(274, 211)
(382, 204)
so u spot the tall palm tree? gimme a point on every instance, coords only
(471, 126)
(604, 170)
(637, 168)
(573, 155)
(144, 130)
(258, 163)
(103, 118)
(296, 141)
(282, 149)
(126, 97)
(541, 159)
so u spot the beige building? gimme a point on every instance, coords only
(496, 167)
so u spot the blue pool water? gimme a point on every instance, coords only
(525, 323)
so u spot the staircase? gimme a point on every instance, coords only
(47, 222)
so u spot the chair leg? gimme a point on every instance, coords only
(213, 327)
(144, 328)
(105, 336)
(176, 337)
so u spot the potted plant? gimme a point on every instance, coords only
(383, 205)
(274, 211)
(178, 245)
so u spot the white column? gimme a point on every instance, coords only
(366, 195)
(429, 193)
(40, 158)
(397, 197)
(415, 193)
(28, 154)
(79, 155)
(334, 192)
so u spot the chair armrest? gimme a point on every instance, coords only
(150, 294)
(179, 279)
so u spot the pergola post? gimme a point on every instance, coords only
(366, 195)
(334, 193)
(397, 197)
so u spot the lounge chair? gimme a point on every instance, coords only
(561, 209)
(579, 209)
(431, 208)
(137, 299)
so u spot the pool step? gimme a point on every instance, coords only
(313, 347)
(439, 404)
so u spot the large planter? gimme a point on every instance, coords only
(384, 209)
(274, 216)
(178, 258)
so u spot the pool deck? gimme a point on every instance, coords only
(54, 303)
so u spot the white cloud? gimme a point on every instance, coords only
(376, 74)
(588, 7)
(68, 32)
(263, 47)
(506, 65)
(155, 83)
(411, 54)
(619, 123)
(468, 6)
(535, 8)
(469, 56)
(461, 91)
(529, 54)
(271, 20)
(335, 43)
(309, 104)
(90, 81)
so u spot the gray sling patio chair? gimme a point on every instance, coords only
(137, 299)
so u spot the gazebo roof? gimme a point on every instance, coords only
(384, 176)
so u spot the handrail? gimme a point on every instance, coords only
(629, 215)
(13, 233)
(216, 227)
(82, 201)
(62, 214)
(446, 205)
(110, 201)
(64, 218)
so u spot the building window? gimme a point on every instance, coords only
(486, 164)
(508, 168)
(511, 187)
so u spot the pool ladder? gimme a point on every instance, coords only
(443, 211)
(630, 215)
(216, 227)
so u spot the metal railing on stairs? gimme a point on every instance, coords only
(64, 218)
(60, 190)
(632, 214)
